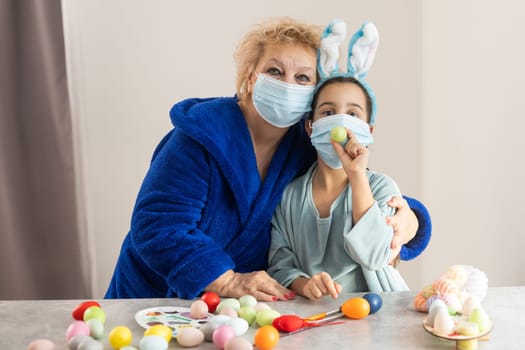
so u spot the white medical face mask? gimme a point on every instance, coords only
(322, 128)
(281, 104)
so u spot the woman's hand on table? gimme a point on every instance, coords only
(257, 284)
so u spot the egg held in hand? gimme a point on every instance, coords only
(338, 134)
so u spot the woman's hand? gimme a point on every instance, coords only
(317, 286)
(404, 223)
(257, 284)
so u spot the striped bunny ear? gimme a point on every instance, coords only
(362, 50)
(328, 54)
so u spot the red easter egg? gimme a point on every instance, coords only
(78, 312)
(211, 299)
(288, 323)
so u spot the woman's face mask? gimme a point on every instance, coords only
(322, 128)
(281, 104)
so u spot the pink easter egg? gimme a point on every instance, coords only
(77, 328)
(41, 344)
(222, 334)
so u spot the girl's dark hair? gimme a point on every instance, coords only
(342, 79)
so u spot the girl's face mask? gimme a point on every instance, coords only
(281, 104)
(322, 128)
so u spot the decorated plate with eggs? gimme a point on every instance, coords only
(172, 316)
(465, 333)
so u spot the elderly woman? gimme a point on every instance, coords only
(201, 221)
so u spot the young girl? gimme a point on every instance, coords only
(329, 233)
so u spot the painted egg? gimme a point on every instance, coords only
(222, 334)
(41, 344)
(239, 325)
(266, 337)
(189, 337)
(248, 313)
(77, 328)
(153, 342)
(91, 345)
(374, 300)
(211, 299)
(207, 330)
(95, 312)
(218, 320)
(213, 323)
(96, 328)
(74, 342)
(120, 336)
(229, 311)
(231, 302)
(160, 330)
(289, 323)
(247, 300)
(199, 309)
(238, 343)
(266, 317)
(338, 134)
(78, 312)
(262, 306)
(356, 308)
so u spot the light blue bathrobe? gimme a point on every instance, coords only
(356, 256)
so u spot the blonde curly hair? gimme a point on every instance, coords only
(283, 30)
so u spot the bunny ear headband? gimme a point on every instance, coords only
(361, 52)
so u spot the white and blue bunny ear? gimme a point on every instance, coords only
(328, 53)
(362, 50)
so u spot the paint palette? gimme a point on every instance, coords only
(172, 316)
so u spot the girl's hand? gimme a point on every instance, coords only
(317, 286)
(354, 156)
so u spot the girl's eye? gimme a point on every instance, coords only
(327, 112)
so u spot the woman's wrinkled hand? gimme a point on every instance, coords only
(257, 284)
(404, 223)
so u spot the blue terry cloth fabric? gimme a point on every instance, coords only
(204, 210)
(416, 246)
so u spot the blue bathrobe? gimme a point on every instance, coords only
(202, 208)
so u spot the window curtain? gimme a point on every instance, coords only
(40, 245)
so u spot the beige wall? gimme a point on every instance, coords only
(129, 61)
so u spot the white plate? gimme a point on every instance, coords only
(174, 317)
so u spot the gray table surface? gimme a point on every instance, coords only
(395, 326)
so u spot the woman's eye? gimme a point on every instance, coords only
(273, 71)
